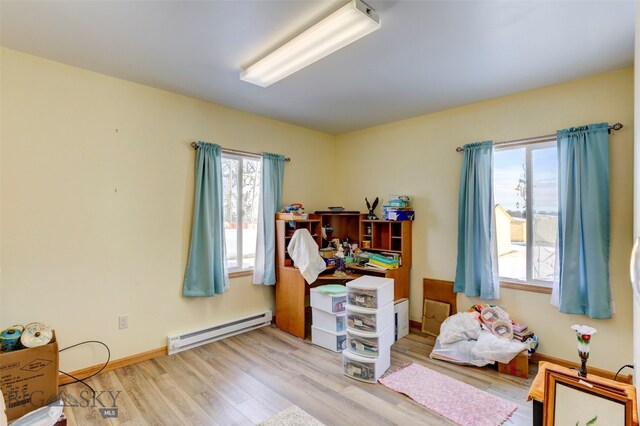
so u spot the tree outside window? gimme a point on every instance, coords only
(241, 178)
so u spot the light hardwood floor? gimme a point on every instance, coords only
(248, 378)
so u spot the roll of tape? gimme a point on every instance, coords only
(502, 328)
(36, 334)
(491, 315)
(10, 337)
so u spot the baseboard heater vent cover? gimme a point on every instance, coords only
(192, 339)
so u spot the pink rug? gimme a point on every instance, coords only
(451, 398)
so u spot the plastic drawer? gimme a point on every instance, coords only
(336, 342)
(364, 368)
(370, 320)
(328, 321)
(370, 344)
(328, 303)
(370, 292)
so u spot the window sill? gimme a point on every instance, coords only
(244, 273)
(526, 287)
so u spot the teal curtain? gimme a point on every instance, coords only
(264, 271)
(476, 270)
(206, 272)
(582, 284)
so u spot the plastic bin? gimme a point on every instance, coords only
(328, 303)
(399, 214)
(370, 320)
(364, 368)
(336, 342)
(370, 344)
(370, 292)
(328, 321)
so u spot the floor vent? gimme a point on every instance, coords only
(182, 342)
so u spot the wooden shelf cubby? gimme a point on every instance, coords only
(389, 236)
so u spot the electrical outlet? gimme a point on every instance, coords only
(123, 321)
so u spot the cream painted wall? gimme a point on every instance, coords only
(76, 253)
(97, 192)
(418, 157)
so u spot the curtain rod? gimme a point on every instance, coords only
(544, 138)
(237, 151)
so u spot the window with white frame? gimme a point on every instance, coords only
(525, 180)
(241, 178)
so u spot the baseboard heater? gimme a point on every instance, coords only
(182, 342)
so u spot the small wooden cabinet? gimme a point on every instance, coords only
(383, 235)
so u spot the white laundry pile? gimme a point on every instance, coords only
(464, 339)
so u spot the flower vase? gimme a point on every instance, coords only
(583, 367)
(584, 334)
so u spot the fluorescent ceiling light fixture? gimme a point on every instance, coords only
(346, 25)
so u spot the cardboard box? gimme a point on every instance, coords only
(434, 314)
(29, 378)
(519, 366)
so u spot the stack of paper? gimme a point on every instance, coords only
(383, 261)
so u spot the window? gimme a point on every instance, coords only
(526, 195)
(241, 193)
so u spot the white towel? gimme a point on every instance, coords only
(304, 252)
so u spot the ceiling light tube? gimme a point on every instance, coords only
(346, 25)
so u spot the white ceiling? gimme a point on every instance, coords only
(428, 55)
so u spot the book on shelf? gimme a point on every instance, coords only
(519, 328)
(383, 259)
(522, 336)
(394, 256)
(374, 266)
(383, 265)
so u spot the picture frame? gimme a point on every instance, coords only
(570, 400)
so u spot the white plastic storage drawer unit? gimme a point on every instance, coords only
(365, 368)
(327, 321)
(370, 292)
(370, 320)
(370, 344)
(333, 303)
(336, 342)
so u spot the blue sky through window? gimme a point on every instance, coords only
(508, 168)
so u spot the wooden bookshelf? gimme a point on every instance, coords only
(387, 236)
(384, 236)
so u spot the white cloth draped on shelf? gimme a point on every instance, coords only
(303, 250)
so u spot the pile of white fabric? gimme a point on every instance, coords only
(470, 338)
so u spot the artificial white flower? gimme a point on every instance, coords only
(584, 329)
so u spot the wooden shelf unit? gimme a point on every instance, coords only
(291, 288)
(387, 236)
